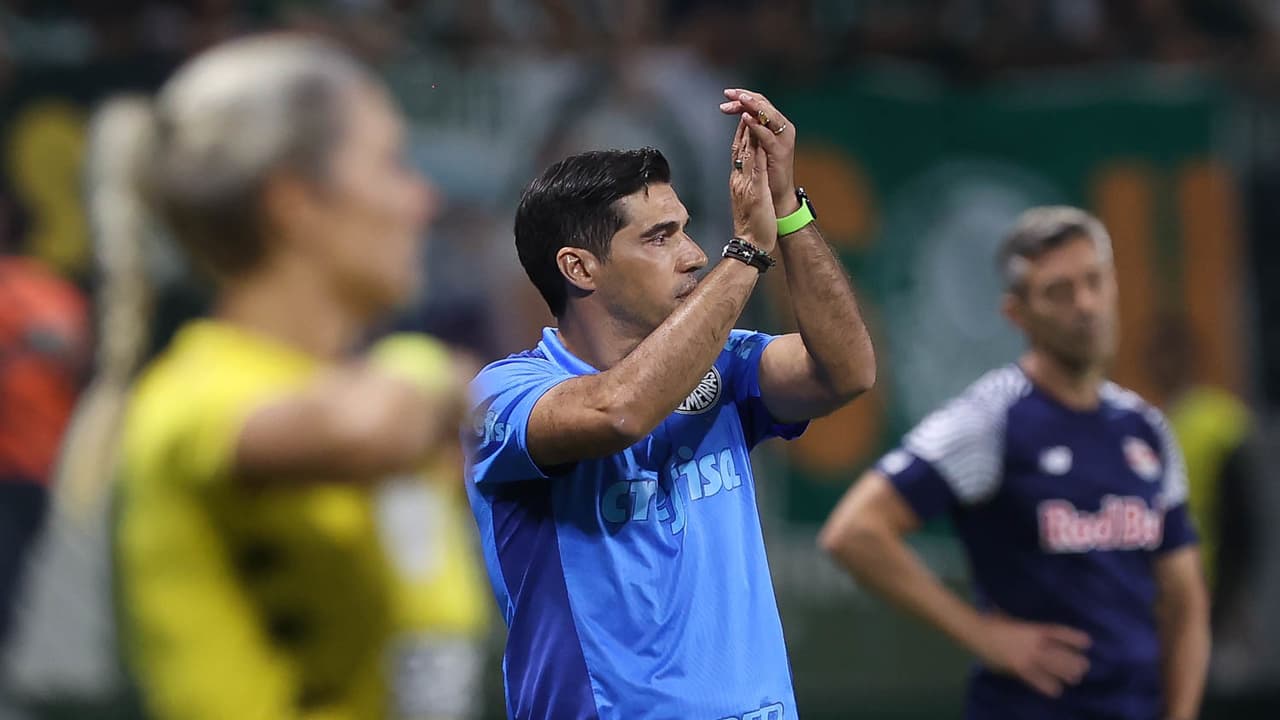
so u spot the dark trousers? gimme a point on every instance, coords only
(22, 512)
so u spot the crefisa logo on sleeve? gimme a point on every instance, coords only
(704, 396)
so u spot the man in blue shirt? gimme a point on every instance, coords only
(610, 470)
(1069, 494)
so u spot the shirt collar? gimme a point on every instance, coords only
(560, 355)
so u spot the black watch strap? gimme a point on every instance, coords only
(741, 250)
(803, 197)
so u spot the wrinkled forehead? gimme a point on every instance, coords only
(1076, 257)
(655, 203)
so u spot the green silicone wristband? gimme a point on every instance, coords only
(796, 220)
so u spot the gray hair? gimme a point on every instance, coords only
(1041, 229)
(222, 125)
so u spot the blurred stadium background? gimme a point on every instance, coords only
(925, 127)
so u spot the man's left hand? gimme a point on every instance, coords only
(775, 133)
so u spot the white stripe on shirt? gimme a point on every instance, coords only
(964, 439)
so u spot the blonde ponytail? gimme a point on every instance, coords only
(121, 138)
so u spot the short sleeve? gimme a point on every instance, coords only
(918, 483)
(745, 348)
(416, 358)
(1179, 530)
(502, 399)
(963, 442)
(210, 423)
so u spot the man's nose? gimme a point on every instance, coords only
(693, 258)
(1088, 300)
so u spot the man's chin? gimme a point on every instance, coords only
(1081, 361)
(649, 323)
(1073, 354)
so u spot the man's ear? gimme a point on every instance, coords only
(579, 267)
(1013, 307)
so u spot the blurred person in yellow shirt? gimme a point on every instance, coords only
(252, 576)
(443, 611)
(1213, 427)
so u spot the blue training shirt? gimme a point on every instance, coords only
(633, 586)
(1061, 513)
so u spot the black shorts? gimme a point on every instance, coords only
(22, 512)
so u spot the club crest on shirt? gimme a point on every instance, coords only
(1142, 459)
(704, 396)
(1056, 460)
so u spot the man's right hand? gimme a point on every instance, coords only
(1046, 657)
(754, 219)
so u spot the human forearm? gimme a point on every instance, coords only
(887, 566)
(865, 535)
(827, 313)
(1185, 645)
(352, 423)
(601, 414)
(651, 381)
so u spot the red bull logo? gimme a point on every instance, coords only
(1122, 523)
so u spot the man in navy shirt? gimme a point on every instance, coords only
(1069, 495)
(610, 472)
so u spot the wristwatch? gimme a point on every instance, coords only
(743, 251)
(800, 218)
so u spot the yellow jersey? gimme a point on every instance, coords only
(240, 603)
(442, 608)
(1210, 424)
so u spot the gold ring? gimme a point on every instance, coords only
(763, 117)
(781, 127)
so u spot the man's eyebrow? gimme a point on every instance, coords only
(669, 227)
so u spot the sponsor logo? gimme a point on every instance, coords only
(689, 479)
(704, 396)
(1122, 523)
(489, 429)
(1142, 459)
(1056, 460)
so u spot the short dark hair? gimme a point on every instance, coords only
(1040, 230)
(574, 204)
